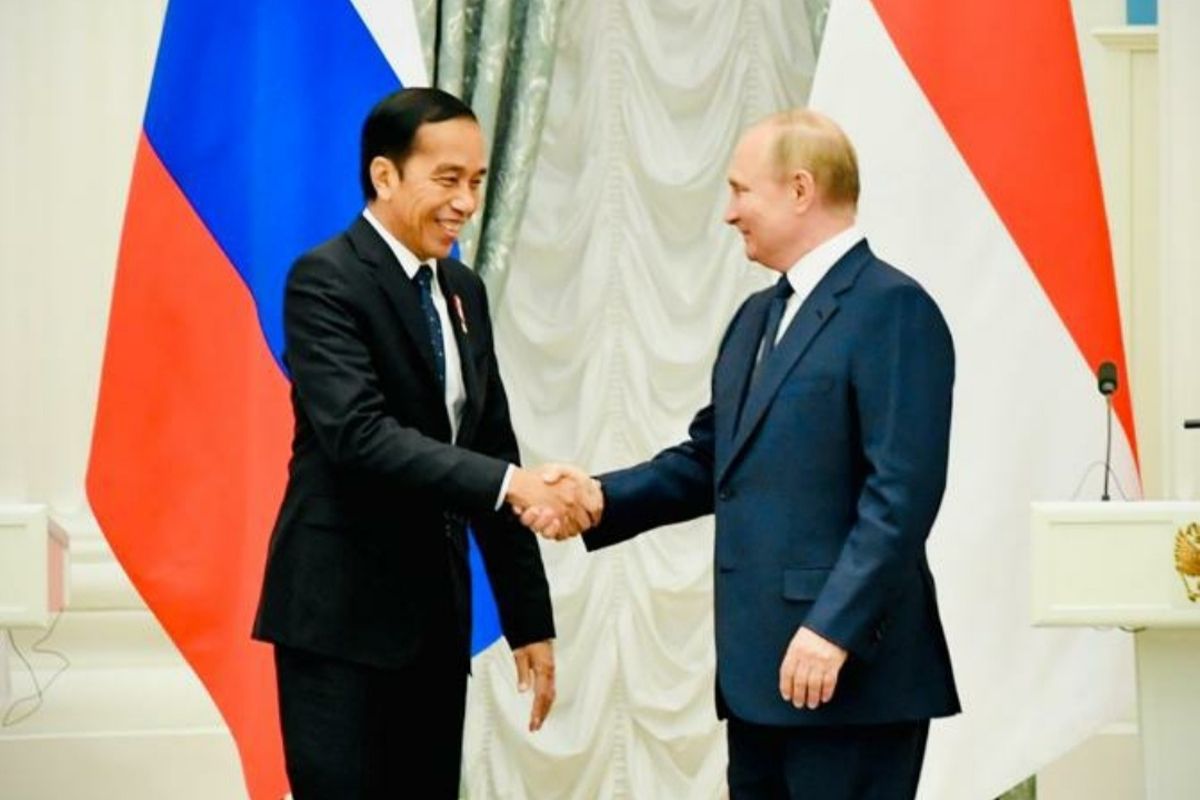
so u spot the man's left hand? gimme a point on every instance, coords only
(535, 667)
(809, 672)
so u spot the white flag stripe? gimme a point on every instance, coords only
(394, 28)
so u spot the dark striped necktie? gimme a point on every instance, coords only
(779, 298)
(424, 279)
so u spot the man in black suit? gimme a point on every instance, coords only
(402, 439)
(823, 456)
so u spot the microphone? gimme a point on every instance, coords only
(1106, 378)
(1106, 382)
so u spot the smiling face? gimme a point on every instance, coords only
(765, 203)
(426, 201)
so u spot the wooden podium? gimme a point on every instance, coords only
(1137, 566)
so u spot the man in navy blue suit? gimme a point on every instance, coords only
(823, 456)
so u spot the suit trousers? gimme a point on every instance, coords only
(353, 731)
(849, 762)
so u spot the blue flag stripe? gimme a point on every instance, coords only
(256, 110)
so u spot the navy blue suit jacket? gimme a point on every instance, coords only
(824, 493)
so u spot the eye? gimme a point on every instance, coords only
(446, 180)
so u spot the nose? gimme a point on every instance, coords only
(731, 213)
(465, 201)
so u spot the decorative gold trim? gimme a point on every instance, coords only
(1187, 559)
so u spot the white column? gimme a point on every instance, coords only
(14, 294)
(1124, 101)
(73, 88)
(1179, 83)
(1168, 661)
(13, 331)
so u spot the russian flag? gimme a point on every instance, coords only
(980, 178)
(248, 157)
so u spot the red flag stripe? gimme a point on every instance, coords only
(187, 462)
(1006, 82)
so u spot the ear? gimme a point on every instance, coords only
(384, 176)
(803, 188)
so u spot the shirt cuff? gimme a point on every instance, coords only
(508, 473)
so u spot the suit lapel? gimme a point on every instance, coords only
(740, 353)
(455, 296)
(400, 291)
(811, 318)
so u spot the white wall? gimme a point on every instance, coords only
(73, 81)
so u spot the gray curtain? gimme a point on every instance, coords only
(818, 12)
(498, 56)
(1022, 791)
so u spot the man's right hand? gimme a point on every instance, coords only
(555, 508)
(542, 520)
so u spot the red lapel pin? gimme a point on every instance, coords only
(462, 317)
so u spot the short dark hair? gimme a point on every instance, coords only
(392, 126)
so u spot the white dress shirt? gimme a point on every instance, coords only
(455, 390)
(806, 273)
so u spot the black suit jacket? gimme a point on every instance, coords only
(825, 475)
(369, 551)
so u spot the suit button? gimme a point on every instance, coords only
(725, 494)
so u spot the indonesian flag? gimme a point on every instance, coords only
(980, 179)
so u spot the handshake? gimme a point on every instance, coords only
(556, 501)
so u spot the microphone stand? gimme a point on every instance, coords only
(1106, 382)
(1107, 447)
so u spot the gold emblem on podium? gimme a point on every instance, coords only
(1187, 559)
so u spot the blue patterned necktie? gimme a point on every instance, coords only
(424, 279)
(766, 345)
(779, 298)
